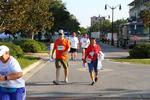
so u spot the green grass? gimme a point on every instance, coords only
(133, 61)
(26, 61)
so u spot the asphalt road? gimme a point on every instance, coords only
(117, 81)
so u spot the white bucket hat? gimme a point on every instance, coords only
(3, 49)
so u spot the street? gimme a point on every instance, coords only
(117, 81)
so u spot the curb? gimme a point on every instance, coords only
(30, 67)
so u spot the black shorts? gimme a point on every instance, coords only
(72, 50)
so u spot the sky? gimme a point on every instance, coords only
(83, 10)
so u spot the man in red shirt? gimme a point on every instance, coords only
(61, 46)
(91, 54)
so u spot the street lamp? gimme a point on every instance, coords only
(112, 8)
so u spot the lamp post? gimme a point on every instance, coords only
(112, 8)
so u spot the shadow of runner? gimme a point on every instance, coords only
(51, 83)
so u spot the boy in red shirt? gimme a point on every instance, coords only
(91, 54)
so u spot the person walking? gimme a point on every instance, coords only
(61, 46)
(12, 86)
(74, 46)
(84, 42)
(91, 57)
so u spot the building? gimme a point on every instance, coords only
(134, 32)
(135, 7)
(95, 20)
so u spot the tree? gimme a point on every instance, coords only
(104, 26)
(118, 23)
(29, 16)
(145, 16)
(83, 30)
(62, 18)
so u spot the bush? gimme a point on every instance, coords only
(140, 51)
(29, 45)
(15, 50)
(43, 46)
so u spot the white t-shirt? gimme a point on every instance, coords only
(74, 42)
(84, 42)
(11, 66)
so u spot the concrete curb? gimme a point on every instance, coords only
(30, 67)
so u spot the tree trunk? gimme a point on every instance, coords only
(32, 37)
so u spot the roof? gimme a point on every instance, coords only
(132, 3)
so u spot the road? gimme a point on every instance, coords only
(117, 81)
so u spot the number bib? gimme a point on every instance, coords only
(60, 48)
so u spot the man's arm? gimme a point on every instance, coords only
(11, 76)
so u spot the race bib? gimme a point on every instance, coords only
(60, 48)
(91, 53)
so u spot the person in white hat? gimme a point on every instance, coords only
(61, 48)
(12, 86)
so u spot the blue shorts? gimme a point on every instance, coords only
(93, 66)
(12, 93)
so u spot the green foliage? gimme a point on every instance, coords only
(83, 30)
(140, 51)
(101, 26)
(26, 15)
(43, 46)
(29, 45)
(15, 50)
(118, 23)
(145, 16)
(62, 18)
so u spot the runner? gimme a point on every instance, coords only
(12, 86)
(91, 57)
(61, 46)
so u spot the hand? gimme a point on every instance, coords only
(2, 78)
(84, 60)
(52, 57)
(65, 53)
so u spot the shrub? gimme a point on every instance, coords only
(140, 51)
(15, 50)
(43, 46)
(29, 45)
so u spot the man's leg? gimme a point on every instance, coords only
(4, 96)
(20, 94)
(83, 53)
(66, 74)
(57, 74)
(66, 71)
(90, 66)
(72, 56)
(96, 70)
(57, 64)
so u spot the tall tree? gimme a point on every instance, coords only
(62, 18)
(104, 26)
(117, 23)
(145, 16)
(30, 16)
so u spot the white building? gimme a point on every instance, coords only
(136, 7)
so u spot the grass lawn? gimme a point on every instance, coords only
(26, 61)
(133, 61)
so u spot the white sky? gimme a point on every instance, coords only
(84, 9)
